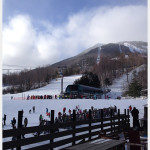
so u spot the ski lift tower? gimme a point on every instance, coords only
(126, 57)
(61, 74)
(60, 68)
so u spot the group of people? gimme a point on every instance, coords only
(49, 97)
(39, 97)
(13, 121)
(64, 116)
(56, 97)
(33, 108)
(67, 116)
(84, 114)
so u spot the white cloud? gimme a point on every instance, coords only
(24, 45)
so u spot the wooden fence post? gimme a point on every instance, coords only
(20, 115)
(101, 119)
(118, 120)
(90, 124)
(125, 124)
(52, 131)
(74, 120)
(111, 119)
(128, 119)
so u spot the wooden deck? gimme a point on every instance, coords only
(100, 144)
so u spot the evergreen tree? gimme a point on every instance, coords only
(134, 88)
(107, 82)
(89, 79)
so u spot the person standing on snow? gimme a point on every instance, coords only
(48, 114)
(28, 97)
(64, 110)
(13, 122)
(69, 112)
(40, 118)
(4, 119)
(56, 120)
(55, 96)
(25, 122)
(130, 108)
(46, 111)
(115, 109)
(33, 109)
(135, 114)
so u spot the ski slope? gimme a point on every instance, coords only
(120, 84)
(11, 107)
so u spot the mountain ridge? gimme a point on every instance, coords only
(106, 50)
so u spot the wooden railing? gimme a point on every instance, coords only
(86, 130)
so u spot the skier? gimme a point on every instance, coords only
(46, 111)
(59, 116)
(40, 118)
(13, 122)
(25, 122)
(95, 97)
(64, 109)
(130, 108)
(4, 119)
(48, 114)
(33, 109)
(55, 96)
(28, 97)
(69, 112)
(56, 120)
(115, 109)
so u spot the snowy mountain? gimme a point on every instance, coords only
(110, 50)
(136, 46)
(90, 49)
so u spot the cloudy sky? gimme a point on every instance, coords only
(41, 32)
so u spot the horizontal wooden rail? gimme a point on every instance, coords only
(93, 127)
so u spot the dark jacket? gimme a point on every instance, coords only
(135, 113)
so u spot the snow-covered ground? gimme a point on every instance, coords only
(11, 107)
(120, 84)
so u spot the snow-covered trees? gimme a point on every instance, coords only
(115, 67)
(138, 83)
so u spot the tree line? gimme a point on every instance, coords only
(110, 68)
(28, 79)
(104, 73)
